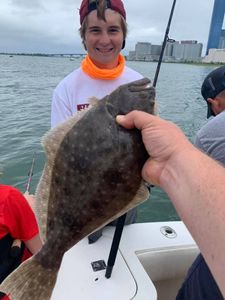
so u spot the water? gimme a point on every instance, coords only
(26, 86)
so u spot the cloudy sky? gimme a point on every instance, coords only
(51, 26)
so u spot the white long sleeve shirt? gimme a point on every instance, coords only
(74, 92)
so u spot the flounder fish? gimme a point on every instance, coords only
(92, 175)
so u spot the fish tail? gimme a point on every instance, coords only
(30, 281)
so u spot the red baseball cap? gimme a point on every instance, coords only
(87, 6)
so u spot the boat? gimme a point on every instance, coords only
(151, 263)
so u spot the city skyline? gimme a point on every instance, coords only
(175, 51)
(52, 27)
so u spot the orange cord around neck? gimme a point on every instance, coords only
(93, 71)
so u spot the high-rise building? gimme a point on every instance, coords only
(184, 51)
(216, 25)
(188, 50)
(222, 40)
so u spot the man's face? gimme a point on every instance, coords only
(103, 40)
(217, 104)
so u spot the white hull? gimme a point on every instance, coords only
(149, 264)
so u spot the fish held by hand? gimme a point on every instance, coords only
(92, 175)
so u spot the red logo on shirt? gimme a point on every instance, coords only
(82, 106)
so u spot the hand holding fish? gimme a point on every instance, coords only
(163, 140)
(183, 172)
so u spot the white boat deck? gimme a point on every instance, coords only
(144, 252)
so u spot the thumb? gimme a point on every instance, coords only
(138, 119)
(151, 171)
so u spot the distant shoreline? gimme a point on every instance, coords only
(46, 54)
(80, 55)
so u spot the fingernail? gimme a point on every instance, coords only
(119, 118)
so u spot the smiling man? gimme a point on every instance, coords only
(103, 32)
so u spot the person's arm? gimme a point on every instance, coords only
(59, 110)
(34, 244)
(196, 185)
(31, 200)
(194, 182)
(21, 221)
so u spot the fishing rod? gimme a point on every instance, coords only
(166, 38)
(121, 220)
(115, 245)
(30, 174)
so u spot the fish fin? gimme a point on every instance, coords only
(52, 139)
(29, 281)
(156, 109)
(51, 142)
(93, 101)
(141, 195)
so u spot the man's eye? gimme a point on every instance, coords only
(94, 30)
(114, 30)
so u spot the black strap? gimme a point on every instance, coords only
(2, 295)
(5, 246)
(7, 262)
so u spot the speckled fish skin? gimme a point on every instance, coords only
(96, 172)
(96, 176)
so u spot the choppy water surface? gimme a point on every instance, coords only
(26, 86)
